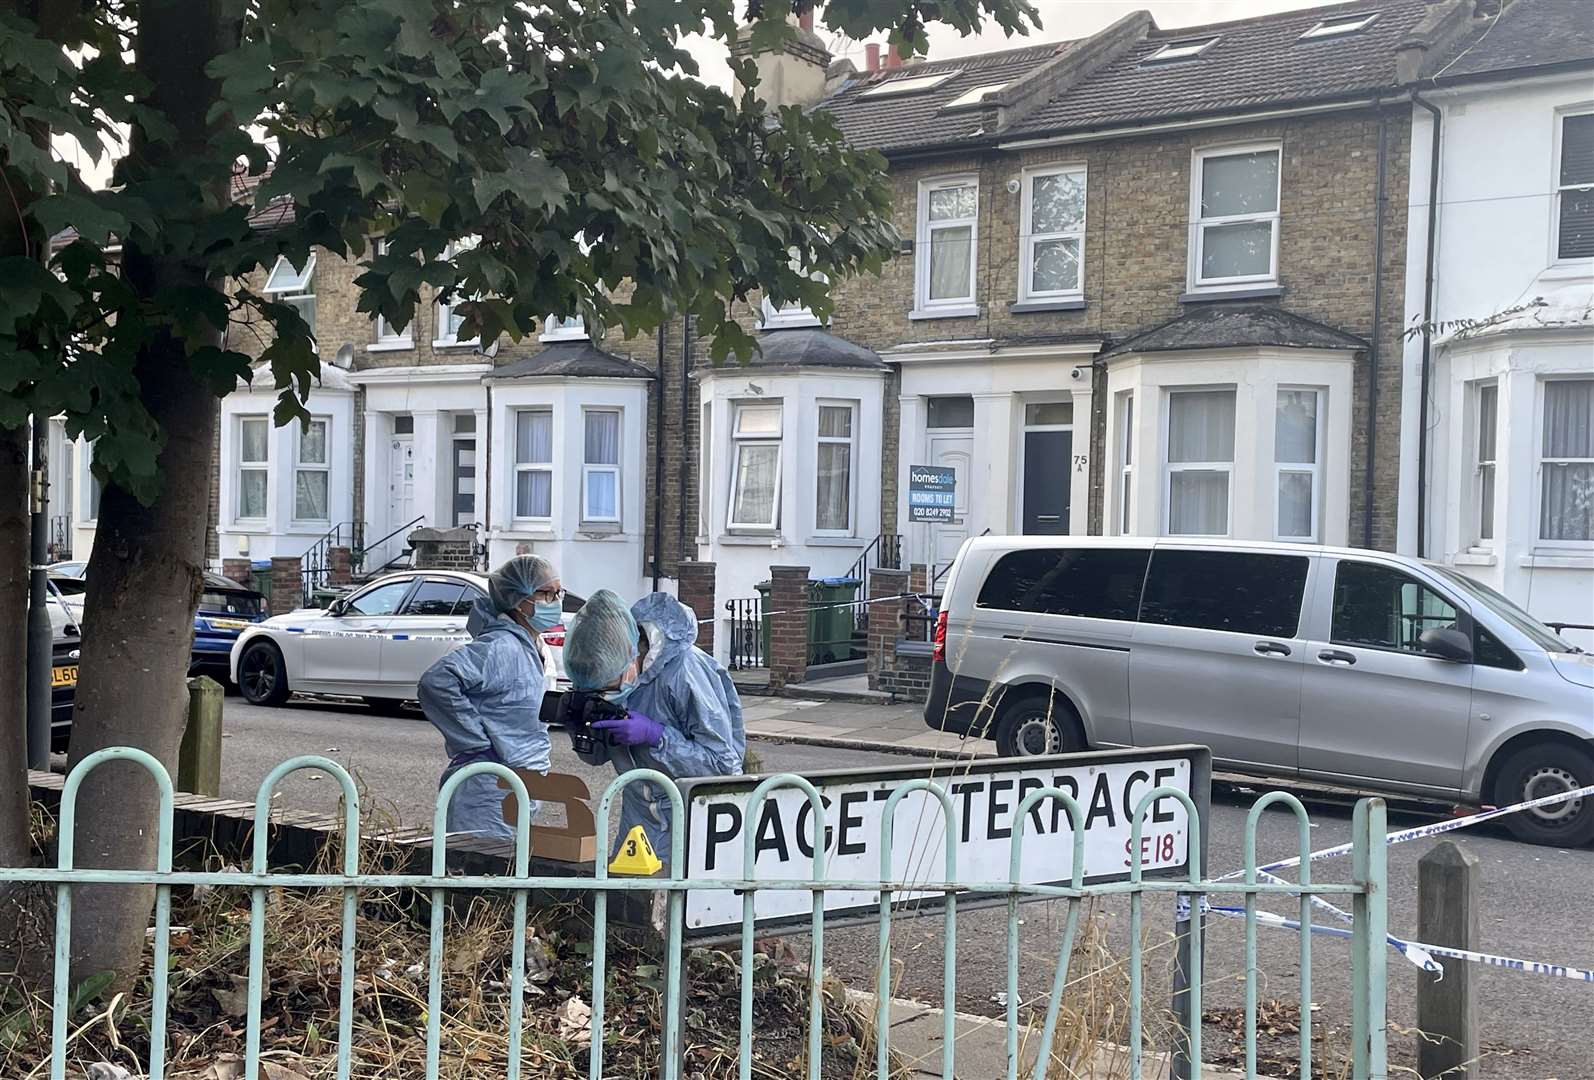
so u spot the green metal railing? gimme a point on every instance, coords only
(1366, 891)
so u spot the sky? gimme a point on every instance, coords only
(1061, 20)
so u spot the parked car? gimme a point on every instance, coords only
(1353, 667)
(65, 651)
(373, 644)
(225, 609)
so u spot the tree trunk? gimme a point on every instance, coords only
(15, 456)
(144, 574)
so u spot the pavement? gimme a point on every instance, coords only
(1533, 901)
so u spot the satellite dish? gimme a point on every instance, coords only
(345, 357)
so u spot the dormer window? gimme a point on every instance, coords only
(974, 97)
(910, 84)
(1181, 50)
(1340, 24)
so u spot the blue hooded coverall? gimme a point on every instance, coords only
(691, 696)
(486, 699)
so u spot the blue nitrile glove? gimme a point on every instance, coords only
(634, 730)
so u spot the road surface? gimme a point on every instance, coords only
(1535, 901)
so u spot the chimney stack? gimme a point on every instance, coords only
(795, 72)
(806, 19)
(893, 57)
(871, 53)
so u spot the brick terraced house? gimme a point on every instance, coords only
(1150, 282)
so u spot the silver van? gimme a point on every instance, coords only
(1333, 664)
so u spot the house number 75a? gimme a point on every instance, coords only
(1080, 461)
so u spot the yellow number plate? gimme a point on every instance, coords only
(228, 624)
(64, 676)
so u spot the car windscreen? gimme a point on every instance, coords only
(1526, 624)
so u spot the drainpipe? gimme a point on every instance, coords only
(658, 461)
(486, 473)
(1372, 355)
(1431, 243)
(686, 378)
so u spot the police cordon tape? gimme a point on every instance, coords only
(1419, 953)
(842, 604)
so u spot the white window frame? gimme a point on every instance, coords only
(1185, 49)
(303, 288)
(970, 98)
(1340, 25)
(850, 441)
(738, 444)
(1481, 465)
(1028, 236)
(589, 469)
(1170, 467)
(945, 307)
(243, 465)
(557, 328)
(445, 311)
(300, 465)
(794, 314)
(518, 466)
(1199, 224)
(388, 338)
(1540, 542)
(1125, 419)
(1301, 468)
(93, 491)
(910, 84)
(1561, 116)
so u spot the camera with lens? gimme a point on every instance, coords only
(578, 711)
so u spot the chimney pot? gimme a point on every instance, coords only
(871, 54)
(806, 19)
(893, 57)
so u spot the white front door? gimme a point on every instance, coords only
(955, 452)
(401, 481)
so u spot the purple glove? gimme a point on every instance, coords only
(635, 730)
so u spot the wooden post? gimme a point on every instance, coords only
(1447, 914)
(199, 757)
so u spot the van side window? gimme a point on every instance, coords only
(1490, 651)
(1238, 591)
(1382, 608)
(1094, 583)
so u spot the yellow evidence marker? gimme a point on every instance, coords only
(636, 855)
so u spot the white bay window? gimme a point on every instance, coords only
(833, 509)
(1234, 217)
(755, 467)
(1126, 459)
(1200, 459)
(534, 464)
(600, 466)
(254, 454)
(948, 231)
(1297, 464)
(1566, 462)
(1053, 234)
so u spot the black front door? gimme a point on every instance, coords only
(1046, 482)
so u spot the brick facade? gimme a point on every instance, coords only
(287, 584)
(444, 549)
(1137, 231)
(340, 566)
(788, 626)
(885, 623)
(696, 591)
(238, 570)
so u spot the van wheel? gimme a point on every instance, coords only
(1548, 769)
(1036, 726)
(262, 675)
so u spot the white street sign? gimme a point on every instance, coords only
(985, 797)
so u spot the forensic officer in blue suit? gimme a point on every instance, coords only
(683, 715)
(486, 696)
